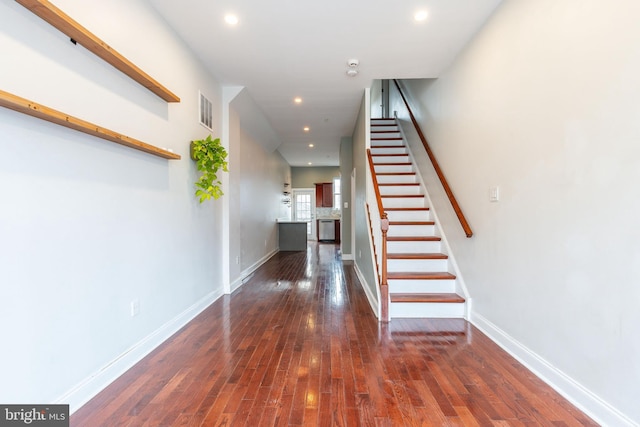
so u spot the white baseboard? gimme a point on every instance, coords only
(373, 301)
(246, 274)
(99, 380)
(347, 257)
(235, 284)
(592, 405)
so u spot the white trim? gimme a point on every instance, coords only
(592, 405)
(256, 265)
(85, 390)
(233, 286)
(347, 257)
(228, 95)
(373, 303)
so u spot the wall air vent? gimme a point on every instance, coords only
(206, 112)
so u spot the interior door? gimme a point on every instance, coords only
(304, 209)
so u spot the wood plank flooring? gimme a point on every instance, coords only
(299, 345)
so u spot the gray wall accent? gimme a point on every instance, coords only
(303, 177)
(363, 250)
(262, 178)
(346, 166)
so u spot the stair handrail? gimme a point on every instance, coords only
(384, 227)
(436, 166)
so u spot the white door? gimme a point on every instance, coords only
(304, 209)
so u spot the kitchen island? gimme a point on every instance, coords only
(292, 235)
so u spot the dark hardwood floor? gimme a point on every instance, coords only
(299, 345)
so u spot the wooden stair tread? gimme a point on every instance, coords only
(387, 139)
(393, 164)
(413, 239)
(395, 173)
(399, 184)
(386, 146)
(400, 255)
(391, 155)
(450, 298)
(402, 196)
(406, 209)
(412, 222)
(420, 275)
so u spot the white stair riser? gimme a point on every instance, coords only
(400, 189)
(393, 168)
(403, 202)
(418, 286)
(385, 133)
(390, 159)
(384, 127)
(421, 265)
(383, 142)
(392, 179)
(414, 247)
(411, 230)
(400, 149)
(430, 309)
(409, 215)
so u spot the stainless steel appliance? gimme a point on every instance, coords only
(326, 229)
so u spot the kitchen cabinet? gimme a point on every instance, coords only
(324, 195)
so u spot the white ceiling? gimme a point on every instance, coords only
(281, 49)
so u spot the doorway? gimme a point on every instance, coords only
(304, 209)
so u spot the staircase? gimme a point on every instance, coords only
(421, 283)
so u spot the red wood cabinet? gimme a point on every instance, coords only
(324, 195)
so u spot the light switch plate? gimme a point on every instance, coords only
(494, 194)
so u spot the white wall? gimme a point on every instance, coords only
(544, 104)
(87, 226)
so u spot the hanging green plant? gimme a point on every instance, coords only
(210, 157)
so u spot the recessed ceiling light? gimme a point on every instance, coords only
(306, 129)
(309, 163)
(420, 15)
(311, 145)
(231, 19)
(297, 100)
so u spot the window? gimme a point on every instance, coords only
(336, 194)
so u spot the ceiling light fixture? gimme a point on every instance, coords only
(352, 73)
(306, 129)
(309, 163)
(297, 100)
(231, 19)
(311, 145)
(421, 15)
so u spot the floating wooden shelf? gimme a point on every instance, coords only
(31, 108)
(54, 16)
